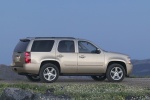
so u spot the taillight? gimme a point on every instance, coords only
(27, 57)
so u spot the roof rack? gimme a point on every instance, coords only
(55, 37)
(30, 37)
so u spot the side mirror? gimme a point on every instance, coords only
(98, 51)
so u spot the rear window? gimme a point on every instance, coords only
(21, 46)
(42, 45)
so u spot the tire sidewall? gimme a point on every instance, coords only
(98, 79)
(30, 77)
(42, 70)
(109, 70)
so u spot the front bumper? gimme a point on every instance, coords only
(129, 68)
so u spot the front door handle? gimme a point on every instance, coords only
(82, 56)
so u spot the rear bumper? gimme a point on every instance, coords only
(27, 68)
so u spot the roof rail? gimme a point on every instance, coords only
(55, 37)
(30, 37)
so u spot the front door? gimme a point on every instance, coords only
(90, 59)
(66, 56)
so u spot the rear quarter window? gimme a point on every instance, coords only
(21, 46)
(42, 45)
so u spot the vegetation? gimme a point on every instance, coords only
(101, 91)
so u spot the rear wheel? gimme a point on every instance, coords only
(115, 73)
(49, 73)
(33, 78)
(99, 78)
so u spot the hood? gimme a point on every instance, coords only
(115, 55)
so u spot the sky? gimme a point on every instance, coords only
(114, 25)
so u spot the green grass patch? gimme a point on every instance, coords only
(93, 91)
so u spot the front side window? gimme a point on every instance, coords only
(66, 46)
(42, 45)
(86, 47)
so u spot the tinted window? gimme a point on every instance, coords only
(21, 46)
(42, 46)
(86, 47)
(66, 46)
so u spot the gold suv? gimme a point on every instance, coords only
(47, 58)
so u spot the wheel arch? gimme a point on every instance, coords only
(52, 62)
(118, 62)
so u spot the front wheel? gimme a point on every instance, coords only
(99, 78)
(33, 78)
(115, 73)
(49, 73)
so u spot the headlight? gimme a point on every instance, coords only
(129, 60)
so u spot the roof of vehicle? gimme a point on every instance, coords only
(50, 37)
(33, 38)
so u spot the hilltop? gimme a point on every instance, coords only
(141, 68)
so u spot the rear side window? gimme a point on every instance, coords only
(42, 45)
(66, 46)
(21, 46)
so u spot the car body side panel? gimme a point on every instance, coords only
(111, 57)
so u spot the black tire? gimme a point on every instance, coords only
(115, 73)
(33, 78)
(99, 78)
(50, 76)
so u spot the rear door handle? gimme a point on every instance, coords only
(82, 56)
(60, 56)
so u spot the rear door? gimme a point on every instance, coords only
(19, 52)
(67, 56)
